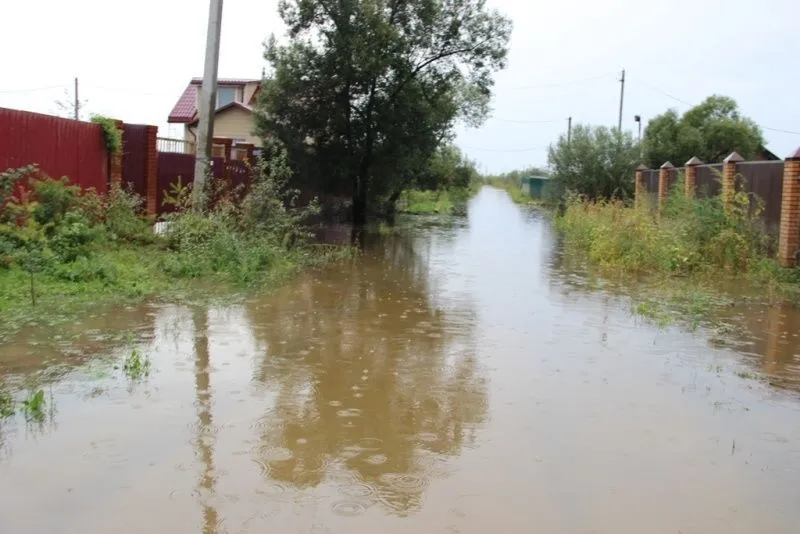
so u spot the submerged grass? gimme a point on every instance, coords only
(689, 259)
(136, 365)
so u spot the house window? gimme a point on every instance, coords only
(225, 95)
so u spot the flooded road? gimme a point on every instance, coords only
(457, 378)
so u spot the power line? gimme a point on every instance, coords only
(548, 121)
(781, 131)
(531, 149)
(559, 84)
(675, 98)
(11, 91)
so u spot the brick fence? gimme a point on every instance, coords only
(776, 183)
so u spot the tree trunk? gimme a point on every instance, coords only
(360, 202)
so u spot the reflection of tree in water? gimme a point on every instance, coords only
(372, 385)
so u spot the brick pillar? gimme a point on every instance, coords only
(789, 236)
(115, 160)
(151, 169)
(691, 176)
(663, 183)
(729, 177)
(639, 183)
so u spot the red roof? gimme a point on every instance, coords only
(185, 111)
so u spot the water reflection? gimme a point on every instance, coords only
(205, 424)
(374, 386)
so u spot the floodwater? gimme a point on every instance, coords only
(460, 377)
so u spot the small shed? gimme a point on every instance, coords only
(534, 185)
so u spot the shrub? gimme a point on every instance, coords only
(122, 216)
(690, 235)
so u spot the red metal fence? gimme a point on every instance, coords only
(61, 147)
(134, 157)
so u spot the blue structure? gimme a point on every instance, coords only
(534, 185)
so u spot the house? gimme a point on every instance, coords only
(765, 154)
(233, 118)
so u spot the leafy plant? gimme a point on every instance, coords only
(136, 365)
(34, 405)
(7, 408)
(111, 134)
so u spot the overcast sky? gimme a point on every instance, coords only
(133, 60)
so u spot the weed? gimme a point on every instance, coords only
(745, 375)
(7, 408)
(136, 365)
(34, 405)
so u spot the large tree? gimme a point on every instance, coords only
(710, 131)
(596, 161)
(364, 91)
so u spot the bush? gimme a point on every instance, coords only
(691, 234)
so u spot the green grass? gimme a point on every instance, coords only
(518, 196)
(7, 408)
(34, 406)
(131, 273)
(680, 265)
(444, 202)
(136, 365)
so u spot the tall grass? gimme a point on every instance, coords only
(689, 236)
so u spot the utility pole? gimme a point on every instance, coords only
(207, 104)
(77, 102)
(621, 100)
(569, 130)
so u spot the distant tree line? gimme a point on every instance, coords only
(599, 162)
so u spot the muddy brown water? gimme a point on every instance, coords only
(457, 378)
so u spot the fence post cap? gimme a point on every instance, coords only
(668, 165)
(795, 154)
(643, 167)
(733, 157)
(694, 161)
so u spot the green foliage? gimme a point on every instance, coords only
(690, 236)
(34, 405)
(710, 131)
(136, 365)
(122, 217)
(365, 91)
(111, 134)
(7, 408)
(61, 247)
(596, 162)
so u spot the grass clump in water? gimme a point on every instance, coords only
(34, 406)
(7, 407)
(136, 365)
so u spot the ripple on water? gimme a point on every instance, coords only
(357, 491)
(274, 454)
(403, 482)
(272, 490)
(350, 412)
(377, 459)
(348, 508)
(370, 444)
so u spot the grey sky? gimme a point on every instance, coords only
(134, 59)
